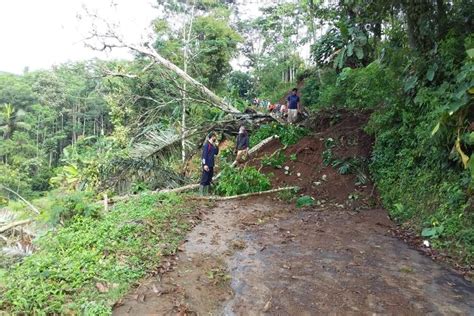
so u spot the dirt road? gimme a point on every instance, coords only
(260, 256)
(264, 256)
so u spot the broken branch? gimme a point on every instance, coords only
(15, 224)
(31, 206)
(224, 198)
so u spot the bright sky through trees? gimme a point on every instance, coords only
(38, 34)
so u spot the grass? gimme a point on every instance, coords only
(85, 267)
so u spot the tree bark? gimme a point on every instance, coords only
(442, 18)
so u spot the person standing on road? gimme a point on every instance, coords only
(209, 150)
(242, 145)
(293, 106)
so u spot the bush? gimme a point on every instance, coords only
(240, 181)
(289, 134)
(276, 160)
(85, 267)
(362, 88)
(305, 200)
(418, 181)
(66, 206)
(421, 111)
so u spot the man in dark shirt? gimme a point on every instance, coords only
(242, 145)
(293, 105)
(209, 150)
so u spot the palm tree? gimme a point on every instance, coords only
(11, 120)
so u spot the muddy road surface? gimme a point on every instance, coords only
(263, 256)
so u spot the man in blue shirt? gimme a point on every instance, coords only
(209, 150)
(293, 105)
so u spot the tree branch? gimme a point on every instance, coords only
(31, 206)
(110, 40)
(15, 224)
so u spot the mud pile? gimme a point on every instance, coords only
(314, 163)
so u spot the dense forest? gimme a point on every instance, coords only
(79, 134)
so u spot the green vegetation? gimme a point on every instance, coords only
(304, 200)
(289, 135)
(245, 180)
(418, 81)
(287, 195)
(351, 165)
(86, 266)
(275, 160)
(82, 132)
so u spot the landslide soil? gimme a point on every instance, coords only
(262, 255)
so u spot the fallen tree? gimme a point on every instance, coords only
(15, 224)
(224, 198)
(195, 186)
(109, 40)
(31, 206)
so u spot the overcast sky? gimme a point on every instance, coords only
(40, 33)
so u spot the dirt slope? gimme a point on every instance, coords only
(264, 256)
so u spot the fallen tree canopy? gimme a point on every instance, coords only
(195, 186)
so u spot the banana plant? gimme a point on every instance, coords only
(11, 120)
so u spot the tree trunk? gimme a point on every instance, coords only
(37, 135)
(418, 12)
(214, 99)
(225, 198)
(186, 39)
(442, 18)
(31, 206)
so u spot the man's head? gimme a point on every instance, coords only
(242, 129)
(294, 91)
(212, 137)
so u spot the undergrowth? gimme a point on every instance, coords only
(423, 158)
(85, 267)
(275, 160)
(350, 165)
(289, 134)
(240, 181)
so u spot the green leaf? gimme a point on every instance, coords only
(359, 52)
(429, 232)
(470, 139)
(362, 39)
(350, 48)
(432, 232)
(455, 106)
(410, 83)
(470, 53)
(435, 129)
(430, 73)
(339, 61)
